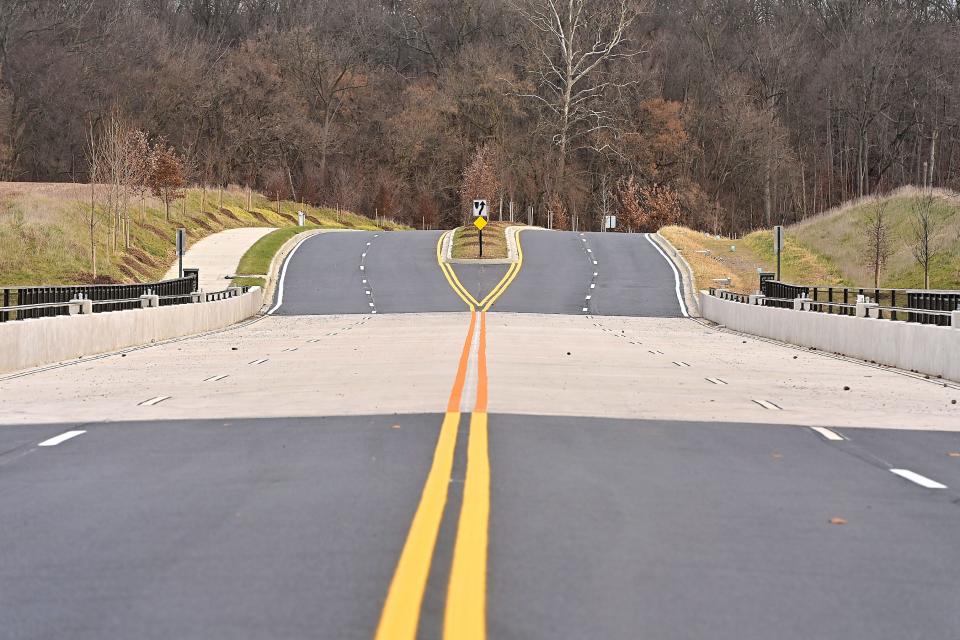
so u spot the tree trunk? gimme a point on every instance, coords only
(933, 156)
(767, 203)
(93, 240)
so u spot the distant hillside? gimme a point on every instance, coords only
(840, 236)
(45, 234)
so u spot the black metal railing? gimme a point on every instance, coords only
(20, 303)
(912, 305)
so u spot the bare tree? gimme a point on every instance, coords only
(480, 179)
(878, 239)
(573, 45)
(93, 162)
(166, 177)
(923, 235)
(329, 72)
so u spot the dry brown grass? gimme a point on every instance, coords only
(841, 236)
(44, 232)
(711, 259)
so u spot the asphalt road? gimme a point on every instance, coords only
(400, 273)
(570, 526)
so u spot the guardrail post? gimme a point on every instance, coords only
(757, 299)
(196, 296)
(149, 300)
(800, 302)
(76, 306)
(955, 319)
(865, 308)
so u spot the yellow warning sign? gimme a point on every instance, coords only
(480, 223)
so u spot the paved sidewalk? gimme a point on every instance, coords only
(217, 256)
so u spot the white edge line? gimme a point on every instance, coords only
(283, 274)
(676, 276)
(923, 481)
(54, 441)
(828, 434)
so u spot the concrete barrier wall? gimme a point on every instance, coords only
(42, 341)
(925, 349)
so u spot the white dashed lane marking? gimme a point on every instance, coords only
(63, 437)
(828, 434)
(154, 401)
(916, 478)
(766, 404)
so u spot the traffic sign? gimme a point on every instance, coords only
(480, 209)
(609, 222)
(480, 223)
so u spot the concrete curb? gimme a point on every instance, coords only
(270, 285)
(687, 277)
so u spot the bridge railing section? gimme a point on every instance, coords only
(21, 303)
(909, 305)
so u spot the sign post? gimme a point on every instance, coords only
(181, 248)
(480, 219)
(778, 246)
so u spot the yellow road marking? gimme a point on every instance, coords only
(507, 280)
(452, 279)
(401, 609)
(465, 613)
(465, 617)
(451, 275)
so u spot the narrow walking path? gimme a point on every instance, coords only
(217, 256)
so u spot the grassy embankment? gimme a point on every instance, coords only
(712, 258)
(466, 241)
(833, 248)
(257, 259)
(45, 235)
(841, 235)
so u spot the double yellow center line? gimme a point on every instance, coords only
(465, 610)
(465, 295)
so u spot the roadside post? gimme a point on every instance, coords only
(181, 248)
(778, 246)
(480, 219)
(765, 276)
(301, 219)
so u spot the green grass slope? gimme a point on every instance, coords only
(841, 238)
(45, 236)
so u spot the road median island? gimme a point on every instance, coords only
(466, 242)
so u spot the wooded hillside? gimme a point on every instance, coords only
(724, 115)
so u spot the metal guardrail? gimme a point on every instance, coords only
(20, 303)
(47, 309)
(921, 306)
(911, 305)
